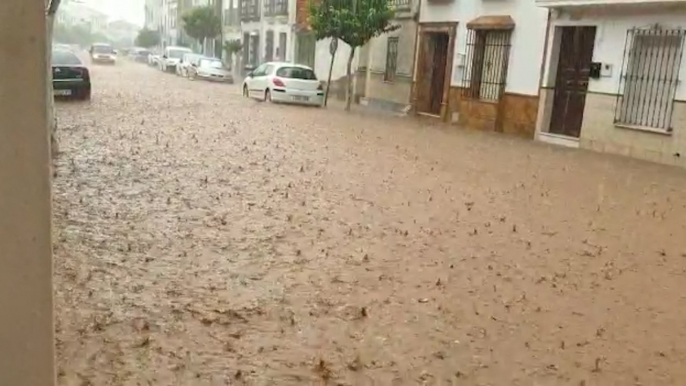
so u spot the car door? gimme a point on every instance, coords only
(255, 86)
(263, 80)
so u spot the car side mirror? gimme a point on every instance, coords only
(164, 56)
(249, 74)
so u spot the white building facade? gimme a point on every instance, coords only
(612, 78)
(266, 30)
(478, 63)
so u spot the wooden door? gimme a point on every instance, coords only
(424, 73)
(571, 83)
(440, 58)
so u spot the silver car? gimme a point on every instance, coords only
(187, 61)
(212, 69)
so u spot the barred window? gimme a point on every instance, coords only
(486, 62)
(650, 76)
(391, 59)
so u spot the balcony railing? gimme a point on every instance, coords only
(583, 3)
(276, 7)
(250, 10)
(400, 5)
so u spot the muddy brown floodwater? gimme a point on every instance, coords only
(206, 239)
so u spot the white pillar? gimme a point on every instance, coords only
(26, 325)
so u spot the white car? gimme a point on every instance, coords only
(171, 57)
(284, 82)
(187, 61)
(209, 69)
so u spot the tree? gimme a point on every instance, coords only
(147, 38)
(202, 23)
(359, 21)
(232, 47)
(324, 22)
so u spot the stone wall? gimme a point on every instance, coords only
(514, 114)
(599, 133)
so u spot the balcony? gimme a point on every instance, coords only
(400, 5)
(604, 3)
(250, 10)
(276, 8)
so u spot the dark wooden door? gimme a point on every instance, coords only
(424, 74)
(571, 83)
(440, 57)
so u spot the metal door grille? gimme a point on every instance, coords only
(650, 77)
(391, 59)
(486, 61)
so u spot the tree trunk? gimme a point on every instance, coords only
(349, 88)
(328, 82)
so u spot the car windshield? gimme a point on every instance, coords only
(103, 49)
(211, 64)
(65, 58)
(296, 73)
(177, 54)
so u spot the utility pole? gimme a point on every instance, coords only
(219, 43)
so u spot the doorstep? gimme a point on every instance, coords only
(558, 139)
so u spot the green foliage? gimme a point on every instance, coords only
(353, 21)
(202, 23)
(323, 18)
(232, 46)
(147, 38)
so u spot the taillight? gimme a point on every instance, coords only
(320, 87)
(278, 82)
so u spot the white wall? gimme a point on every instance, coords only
(322, 60)
(528, 36)
(610, 40)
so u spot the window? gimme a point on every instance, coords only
(391, 59)
(650, 76)
(245, 44)
(269, 46)
(283, 38)
(254, 49)
(64, 58)
(259, 71)
(296, 73)
(486, 61)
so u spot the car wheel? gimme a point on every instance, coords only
(245, 91)
(267, 96)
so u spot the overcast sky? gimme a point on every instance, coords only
(131, 10)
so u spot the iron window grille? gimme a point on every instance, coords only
(650, 77)
(486, 61)
(391, 59)
(276, 7)
(250, 10)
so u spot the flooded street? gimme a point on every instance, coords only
(206, 239)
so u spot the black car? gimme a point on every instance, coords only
(70, 77)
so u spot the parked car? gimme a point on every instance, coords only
(171, 57)
(103, 53)
(140, 55)
(70, 76)
(210, 69)
(284, 82)
(187, 61)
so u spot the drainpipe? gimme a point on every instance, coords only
(415, 54)
(541, 74)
